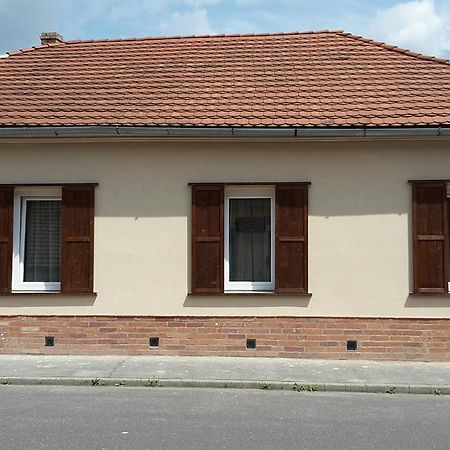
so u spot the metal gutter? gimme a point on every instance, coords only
(330, 132)
(79, 131)
(444, 131)
(404, 132)
(307, 132)
(263, 132)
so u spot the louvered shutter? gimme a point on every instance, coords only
(291, 231)
(77, 241)
(6, 237)
(430, 237)
(207, 239)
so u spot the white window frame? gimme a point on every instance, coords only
(21, 197)
(237, 192)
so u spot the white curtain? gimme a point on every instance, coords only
(250, 241)
(42, 241)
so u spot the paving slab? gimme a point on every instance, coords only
(58, 365)
(282, 373)
(284, 369)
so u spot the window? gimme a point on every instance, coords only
(37, 240)
(249, 238)
(448, 240)
(46, 239)
(430, 237)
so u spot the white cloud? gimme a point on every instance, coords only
(239, 26)
(276, 3)
(24, 32)
(22, 21)
(420, 25)
(249, 2)
(189, 22)
(415, 25)
(200, 3)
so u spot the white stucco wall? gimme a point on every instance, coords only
(359, 222)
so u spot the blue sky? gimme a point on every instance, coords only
(420, 25)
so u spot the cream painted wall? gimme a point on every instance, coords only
(359, 223)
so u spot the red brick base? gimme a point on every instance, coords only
(302, 337)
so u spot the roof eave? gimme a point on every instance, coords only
(278, 132)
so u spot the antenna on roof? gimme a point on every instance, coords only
(51, 37)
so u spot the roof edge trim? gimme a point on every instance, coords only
(307, 132)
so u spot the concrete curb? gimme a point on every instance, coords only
(270, 385)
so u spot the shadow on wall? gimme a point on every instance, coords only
(427, 301)
(246, 301)
(149, 179)
(47, 300)
(154, 183)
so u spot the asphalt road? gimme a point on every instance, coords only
(162, 418)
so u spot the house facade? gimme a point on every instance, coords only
(271, 195)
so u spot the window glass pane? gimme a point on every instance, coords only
(250, 239)
(42, 240)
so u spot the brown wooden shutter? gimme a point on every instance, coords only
(430, 237)
(77, 243)
(6, 237)
(291, 232)
(207, 239)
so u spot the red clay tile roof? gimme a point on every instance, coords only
(315, 79)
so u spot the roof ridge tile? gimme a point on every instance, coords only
(236, 35)
(397, 49)
(174, 37)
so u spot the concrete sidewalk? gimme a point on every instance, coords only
(260, 373)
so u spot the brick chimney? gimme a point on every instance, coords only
(51, 38)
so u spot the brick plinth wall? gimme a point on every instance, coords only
(302, 337)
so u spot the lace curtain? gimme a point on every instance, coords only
(42, 241)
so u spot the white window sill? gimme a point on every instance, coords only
(29, 291)
(251, 293)
(52, 293)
